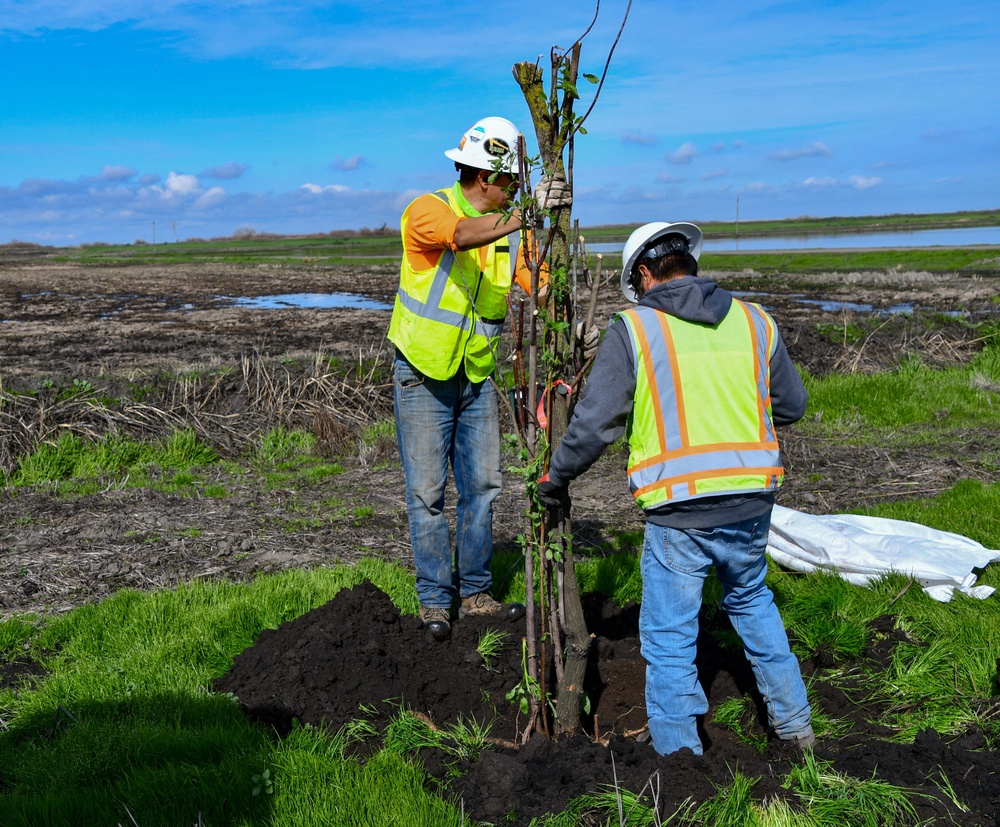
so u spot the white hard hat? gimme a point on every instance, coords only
(485, 143)
(643, 241)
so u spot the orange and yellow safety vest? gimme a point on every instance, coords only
(701, 421)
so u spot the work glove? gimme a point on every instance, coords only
(588, 337)
(553, 193)
(552, 495)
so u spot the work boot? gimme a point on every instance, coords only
(436, 621)
(801, 742)
(483, 605)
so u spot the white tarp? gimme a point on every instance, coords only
(860, 549)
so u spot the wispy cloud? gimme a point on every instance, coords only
(712, 174)
(116, 173)
(209, 198)
(814, 150)
(684, 154)
(858, 182)
(862, 182)
(348, 164)
(815, 183)
(316, 189)
(639, 139)
(225, 172)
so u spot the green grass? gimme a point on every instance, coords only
(75, 465)
(319, 250)
(123, 719)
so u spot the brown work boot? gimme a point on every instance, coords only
(436, 621)
(483, 605)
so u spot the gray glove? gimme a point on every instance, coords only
(553, 193)
(588, 338)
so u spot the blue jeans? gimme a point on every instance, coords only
(675, 563)
(439, 424)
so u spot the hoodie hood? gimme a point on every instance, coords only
(692, 298)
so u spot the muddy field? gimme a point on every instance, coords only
(62, 323)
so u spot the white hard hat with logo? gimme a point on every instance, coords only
(487, 142)
(653, 241)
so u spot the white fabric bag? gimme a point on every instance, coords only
(862, 548)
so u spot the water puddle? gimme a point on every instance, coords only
(834, 306)
(321, 301)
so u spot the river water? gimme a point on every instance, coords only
(962, 237)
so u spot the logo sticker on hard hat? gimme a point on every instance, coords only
(497, 147)
(477, 134)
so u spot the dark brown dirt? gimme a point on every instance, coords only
(124, 326)
(358, 652)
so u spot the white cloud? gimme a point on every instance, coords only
(316, 189)
(861, 182)
(68, 212)
(714, 173)
(213, 196)
(348, 164)
(684, 154)
(180, 184)
(814, 150)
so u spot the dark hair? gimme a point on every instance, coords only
(466, 174)
(672, 265)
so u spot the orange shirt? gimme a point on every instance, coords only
(431, 230)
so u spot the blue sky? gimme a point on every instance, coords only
(119, 119)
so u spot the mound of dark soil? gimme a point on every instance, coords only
(358, 651)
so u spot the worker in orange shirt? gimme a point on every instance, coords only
(461, 254)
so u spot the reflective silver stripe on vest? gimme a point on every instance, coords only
(730, 460)
(431, 309)
(663, 375)
(761, 330)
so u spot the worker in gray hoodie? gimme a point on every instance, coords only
(698, 380)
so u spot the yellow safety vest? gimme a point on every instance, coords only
(701, 422)
(451, 316)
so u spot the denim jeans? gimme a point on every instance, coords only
(439, 424)
(675, 563)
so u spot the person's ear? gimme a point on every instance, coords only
(644, 274)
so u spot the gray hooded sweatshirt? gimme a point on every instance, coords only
(600, 416)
